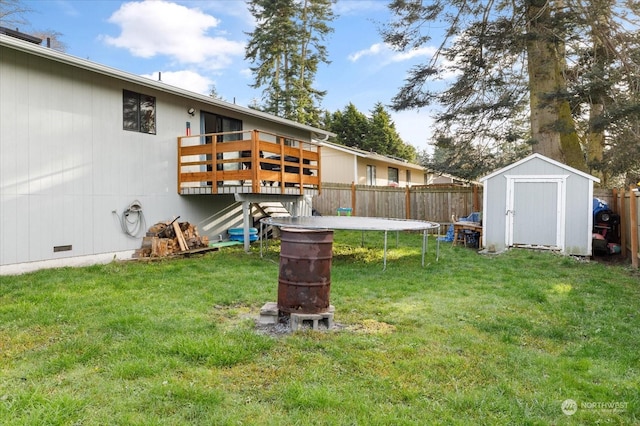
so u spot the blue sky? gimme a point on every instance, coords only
(196, 44)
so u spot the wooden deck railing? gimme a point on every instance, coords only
(252, 161)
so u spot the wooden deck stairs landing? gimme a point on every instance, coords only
(269, 209)
(258, 206)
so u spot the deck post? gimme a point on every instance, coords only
(255, 161)
(246, 207)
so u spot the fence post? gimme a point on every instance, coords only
(407, 202)
(476, 201)
(623, 226)
(633, 213)
(353, 198)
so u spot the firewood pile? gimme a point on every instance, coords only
(171, 238)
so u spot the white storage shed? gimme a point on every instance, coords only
(538, 203)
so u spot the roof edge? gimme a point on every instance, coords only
(543, 158)
(65, 58)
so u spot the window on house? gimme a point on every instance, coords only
(408, 177)
(138, 112)
(393, 175)
(371, 175)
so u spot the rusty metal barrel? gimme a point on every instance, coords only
(304, 283)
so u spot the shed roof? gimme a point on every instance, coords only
(543, 158)
(54, 55)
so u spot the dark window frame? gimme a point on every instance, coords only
(138, 112)
(390, 175)
(371, 174)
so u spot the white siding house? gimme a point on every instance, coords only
(343, 164)
(82, 143)
(538, 203)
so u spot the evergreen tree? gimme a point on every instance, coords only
(376, 133)
(351, 127)
(513, 86)
(287, 48)
(383, 137)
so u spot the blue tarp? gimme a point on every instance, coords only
(473, 217)
(599, 205)
(449, 237)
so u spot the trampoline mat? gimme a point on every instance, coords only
(350, 222)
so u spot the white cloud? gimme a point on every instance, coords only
(373, 50)
(389, 55)
(188, 80)
(428, 51)
(357, 7)
(235, 8)
(68, 8)
(151, 28)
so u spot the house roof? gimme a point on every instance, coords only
(543, 158)
(372, 155)
(22, 36)
(54, 55)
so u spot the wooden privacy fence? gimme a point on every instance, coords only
(430, 202)
(438, 203)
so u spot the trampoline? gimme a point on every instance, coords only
(358, 224)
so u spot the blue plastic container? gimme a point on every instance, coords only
(237, 234)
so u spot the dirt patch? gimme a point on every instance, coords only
(612, 259)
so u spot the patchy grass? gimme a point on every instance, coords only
(469, 339)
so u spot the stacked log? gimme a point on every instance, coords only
(171, 238)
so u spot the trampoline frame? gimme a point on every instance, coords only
(359, 224)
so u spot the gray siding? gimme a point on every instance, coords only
(579, 216)
(493, 217)
(68, 170)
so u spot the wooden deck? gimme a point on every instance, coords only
(251, 161)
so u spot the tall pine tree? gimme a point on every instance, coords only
(286, 48)
(376, 133)
(516, 66)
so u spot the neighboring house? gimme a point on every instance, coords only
(343, 164)
(432, 178)
(91, 156)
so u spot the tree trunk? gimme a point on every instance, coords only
(600, 31)
(552, 126)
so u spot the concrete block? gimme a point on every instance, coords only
(269, 308)
(268, 313)
(297, 321)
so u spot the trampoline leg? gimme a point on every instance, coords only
(438, 245)
(424, 245)
(384, 257)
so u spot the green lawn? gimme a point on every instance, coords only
(469, 339)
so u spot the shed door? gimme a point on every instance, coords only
(535, 214)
